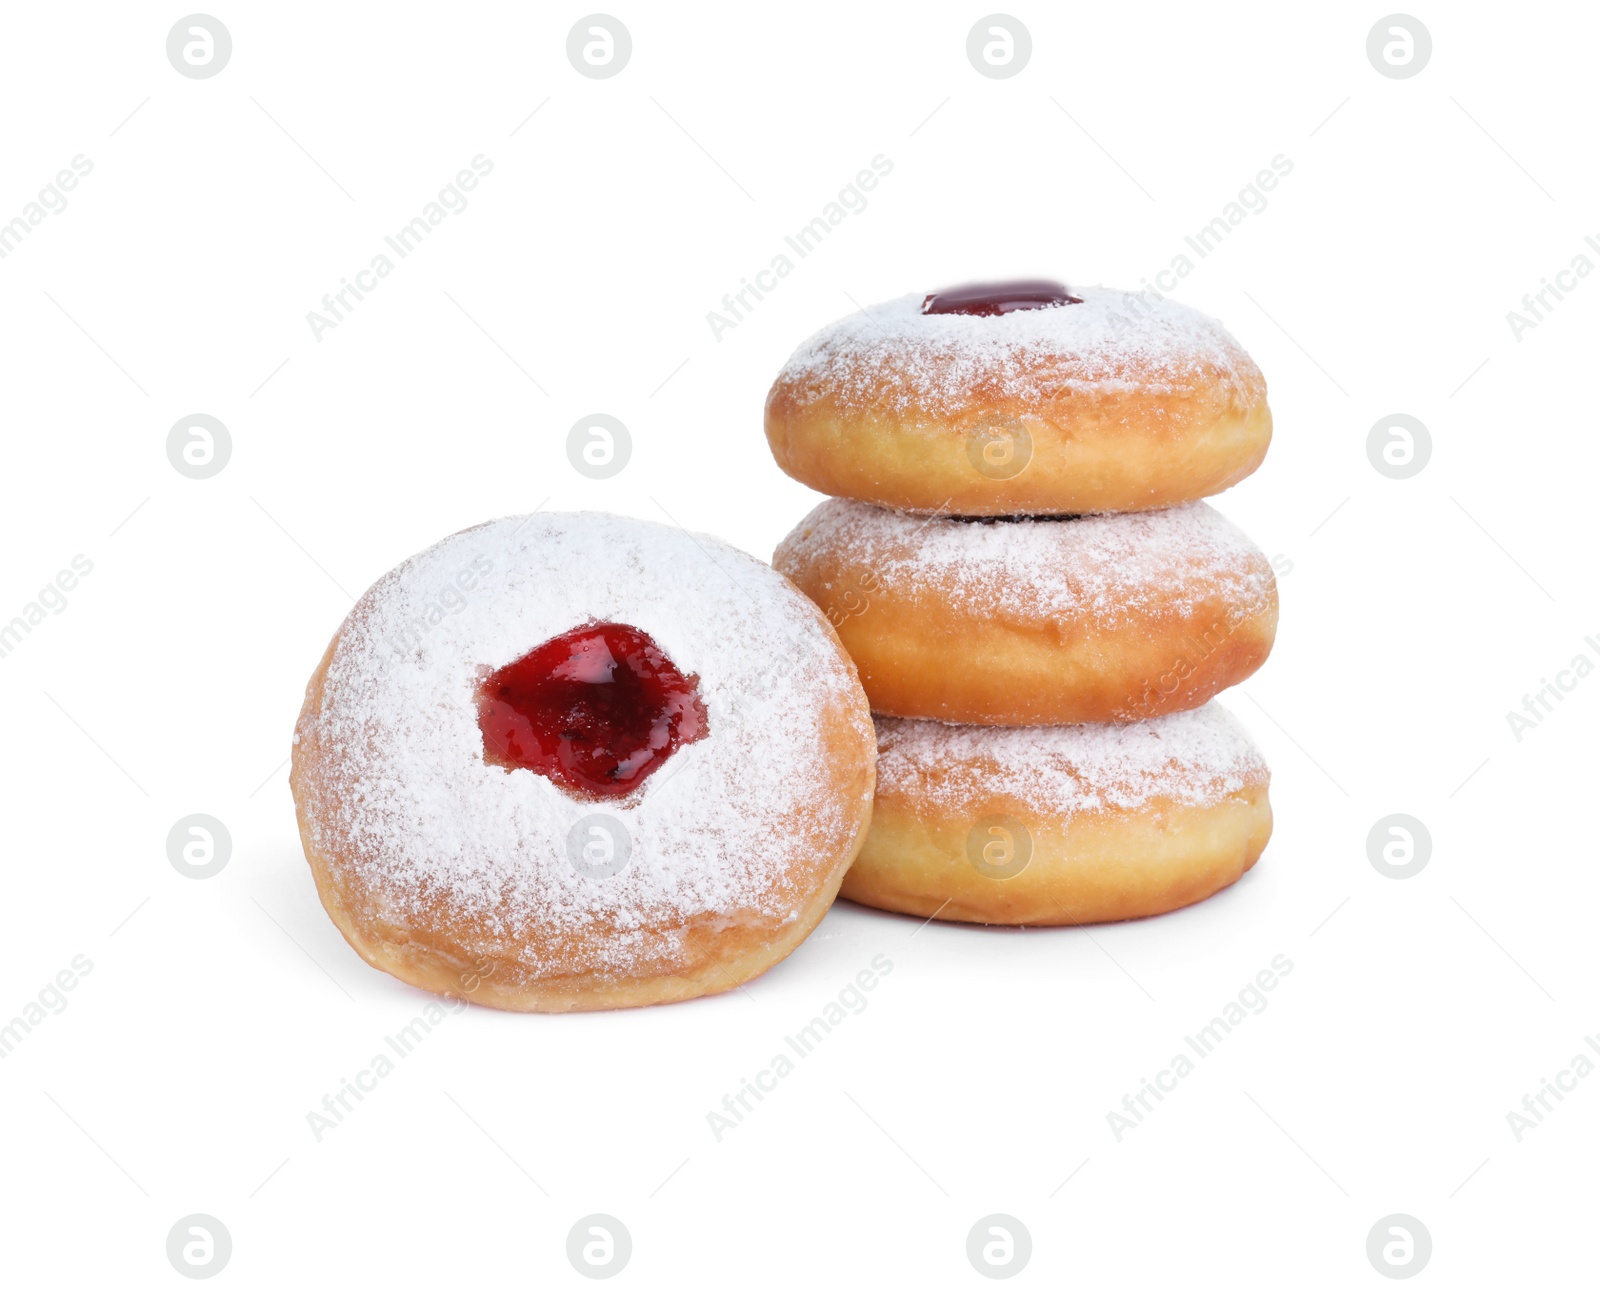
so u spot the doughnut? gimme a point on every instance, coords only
(574, 761)
(1065, 620)
(1013, 398)
(1060, 825)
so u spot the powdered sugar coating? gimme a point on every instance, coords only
(406, 800)
(892, 355)
(1196, 757)
(1106, 571)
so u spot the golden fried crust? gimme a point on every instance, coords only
(1090, 451)
(925, 653)
(464, 959)
(1100, 867)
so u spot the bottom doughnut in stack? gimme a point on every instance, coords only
(1061, 825)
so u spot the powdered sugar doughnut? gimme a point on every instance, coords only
(1056, 826)
(1050, 621)
(1081, 401)
(577, 761)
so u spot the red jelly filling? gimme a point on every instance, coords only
(999, 298)
(595, 710)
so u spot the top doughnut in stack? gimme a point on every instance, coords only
(1018, 542)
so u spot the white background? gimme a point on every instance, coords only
(1417, 613)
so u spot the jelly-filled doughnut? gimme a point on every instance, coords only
(1022, 397)
(1061, 825)
(562, 762)
(1037, 620)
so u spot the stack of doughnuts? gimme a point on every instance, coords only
(1039, 603)
(572, 761)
